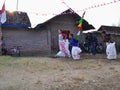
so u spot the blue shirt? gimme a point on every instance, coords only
(74, 42)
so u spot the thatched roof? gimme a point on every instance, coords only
(110, 29)
(86, 25)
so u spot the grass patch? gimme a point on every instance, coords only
(44, 63)
(30, 63)
(7, 60)
(86, 64)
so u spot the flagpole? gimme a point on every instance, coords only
(4, 1)
(17, 5)
(17, 12)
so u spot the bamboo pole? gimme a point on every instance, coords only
(17, 5)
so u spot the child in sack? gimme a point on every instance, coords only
(111, 50)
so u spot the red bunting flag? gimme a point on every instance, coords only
(3, 14)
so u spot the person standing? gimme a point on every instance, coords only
(88, 42)
(4, 49)
(94, 44)
(106, 37)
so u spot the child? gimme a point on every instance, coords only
(111, 50)
(63, 45)
(60, 38)
(75, 49)
(60, 42)
(66, 45)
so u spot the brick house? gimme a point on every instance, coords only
(43, 39)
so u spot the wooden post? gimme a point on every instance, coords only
(0, 39)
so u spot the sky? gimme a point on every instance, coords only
(41, 10)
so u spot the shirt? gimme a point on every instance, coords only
(74, 42)
(107, 38)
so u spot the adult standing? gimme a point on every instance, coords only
(88, 42)
(106, 37)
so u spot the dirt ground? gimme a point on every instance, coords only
(48, 73)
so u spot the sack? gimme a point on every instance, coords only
(111, 51)
(76, 53)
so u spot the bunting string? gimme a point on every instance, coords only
(85, 9)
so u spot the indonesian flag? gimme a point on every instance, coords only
(3, 14)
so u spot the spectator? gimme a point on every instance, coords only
(106, 37)
(94, 43)
(4, 49)
(88, 41)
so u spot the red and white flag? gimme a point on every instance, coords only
(3, 14)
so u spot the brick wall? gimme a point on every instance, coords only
(32, 41)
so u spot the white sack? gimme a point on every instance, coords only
(111, 51)
(76, 52)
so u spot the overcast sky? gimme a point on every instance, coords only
(105, 15)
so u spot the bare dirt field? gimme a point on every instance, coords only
(48, 73)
